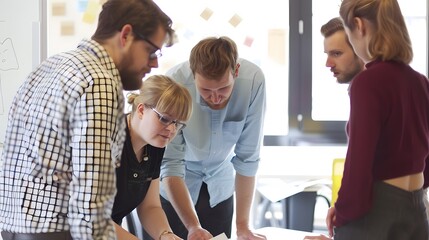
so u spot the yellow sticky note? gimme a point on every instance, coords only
(91, 12)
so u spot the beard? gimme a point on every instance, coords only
(348, 76)
(130, 80)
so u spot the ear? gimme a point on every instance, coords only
(140, 110)
(360, 25)
(126, 34)
(236, 70)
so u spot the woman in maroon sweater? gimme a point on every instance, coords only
(381, 194)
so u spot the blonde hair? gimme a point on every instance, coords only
(390, 40)
(164, 94)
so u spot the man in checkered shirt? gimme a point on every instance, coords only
(66, 128)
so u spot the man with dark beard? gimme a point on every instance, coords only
(66, 128)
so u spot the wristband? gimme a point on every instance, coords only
(165, 232)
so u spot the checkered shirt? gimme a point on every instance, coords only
(64, 136)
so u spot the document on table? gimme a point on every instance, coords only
(221, 236)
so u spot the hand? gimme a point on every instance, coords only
(330, 219)
(246, 234)
(320, 237)
(170, 236)
(199, 233)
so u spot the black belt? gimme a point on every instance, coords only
(36, 236)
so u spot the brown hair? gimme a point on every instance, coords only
(390, 40)
(212, 56)
(166, 95)
(332, 26)
(143, 15)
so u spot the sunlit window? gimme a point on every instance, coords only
(262, 33)
(330, 100)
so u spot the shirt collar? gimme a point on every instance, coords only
(101, 54)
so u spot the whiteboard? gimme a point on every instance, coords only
(20, 48)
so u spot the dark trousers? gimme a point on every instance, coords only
(396, 214)
(216, 220)
(36, 236)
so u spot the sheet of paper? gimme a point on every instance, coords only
(221, 236)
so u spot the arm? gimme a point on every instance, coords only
(366, 111)
(121, 233)
(244, 189)
(179, 197)
(247, 157)
(172, 177)
(92, 188)
(152, 215)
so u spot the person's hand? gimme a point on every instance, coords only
(320, 237)
(170, 236)
(246, 234)
(199, 233)
(330, 219)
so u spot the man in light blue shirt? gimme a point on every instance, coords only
(218, 152)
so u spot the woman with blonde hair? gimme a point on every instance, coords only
(159, 111)
(381, 194)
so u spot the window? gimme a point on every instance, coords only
(318, 106)
(260, 30)
(305, 105)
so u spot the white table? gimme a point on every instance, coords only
(273, 233)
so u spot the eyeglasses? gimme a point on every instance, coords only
(166, 121)
(157, 53)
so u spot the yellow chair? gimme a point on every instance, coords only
(337, 175)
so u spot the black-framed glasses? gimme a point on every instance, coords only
(157, 53)
(166, 121)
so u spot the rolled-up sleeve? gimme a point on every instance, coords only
(247, 149)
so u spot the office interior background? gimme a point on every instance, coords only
(305, 104)
(306, 108)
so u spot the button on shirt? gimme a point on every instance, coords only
(65, 133)
(134, 178)
(217, 142)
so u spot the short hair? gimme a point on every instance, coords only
(212, 56)
(164, 94)
(390, 40)
(143, 15)
(332, 26)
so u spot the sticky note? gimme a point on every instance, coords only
(58, 9)
(206, 14)
(91, 12)
(67, 28)
(235, 20)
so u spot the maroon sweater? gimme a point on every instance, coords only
(388, 133)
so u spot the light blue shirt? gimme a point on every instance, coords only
(217, 142)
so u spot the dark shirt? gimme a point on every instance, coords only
(388, 133)
(134, 178)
